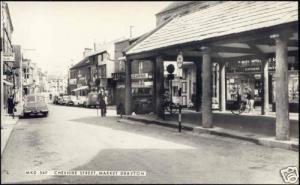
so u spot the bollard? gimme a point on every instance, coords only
(97, 110)
(179, 119)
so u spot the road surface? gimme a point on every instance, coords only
(73, 138)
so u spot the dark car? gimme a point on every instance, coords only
(35, 105)
(92, 99)
(55, 99)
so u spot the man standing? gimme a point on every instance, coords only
(11, 106)
(250, 100)
(102, 105)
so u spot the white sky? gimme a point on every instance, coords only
(59, 31)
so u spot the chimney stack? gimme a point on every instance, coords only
(86, 51)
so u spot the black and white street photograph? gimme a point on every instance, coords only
(149, 92)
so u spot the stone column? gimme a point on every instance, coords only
(128, 89)
(281, 89)
(265, 88)
(159, 75)
(154, 85)
(218, 82)
(222, 86)
(206, 89)
(198, 86)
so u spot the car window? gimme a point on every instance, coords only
(40, 98)
(30, 99)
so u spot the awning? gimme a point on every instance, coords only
(7, 83)
(80, 88)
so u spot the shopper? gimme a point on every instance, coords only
(105, 104)
(250, 100)
(120, 109)
(102, 105)
(11, 106)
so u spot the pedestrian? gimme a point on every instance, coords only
(238, 97)
(105, 103)
(102, 105)
(120, 109)
(11, 106)
(250, 100)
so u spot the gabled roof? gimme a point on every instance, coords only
(9, 17)
(226, 18)
(175, 5)
(85, 60)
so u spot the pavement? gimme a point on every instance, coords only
(259, 129)
(74, 139)
(8, 125)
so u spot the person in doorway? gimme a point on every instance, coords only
(250, 100)
(11, 106)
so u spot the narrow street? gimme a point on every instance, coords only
(73, 138)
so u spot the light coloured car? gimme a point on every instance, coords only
(82, 101)
(34, 105)
(60, 100)
(73, 101)
(65, 100)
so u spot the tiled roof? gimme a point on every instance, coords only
(175, 5)
(222, 19)
(86, 60)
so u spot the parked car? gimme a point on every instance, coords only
(73, 100)
(60, 100)
(82, 101)
(65, 100)
(55, 99)
(35, 104)
(92, 99)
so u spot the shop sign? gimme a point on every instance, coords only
(252, 69)
(139, 76)
(73, 81)
(118, 76)
(9, 57)
(147, 84)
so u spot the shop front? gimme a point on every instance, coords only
(247, 74)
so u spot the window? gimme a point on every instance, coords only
(30, 98)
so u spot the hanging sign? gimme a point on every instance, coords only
(179, 60)
(9, 57)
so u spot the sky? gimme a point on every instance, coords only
(54, 34)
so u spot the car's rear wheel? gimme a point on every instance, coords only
(46, 114)
(25, 115)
